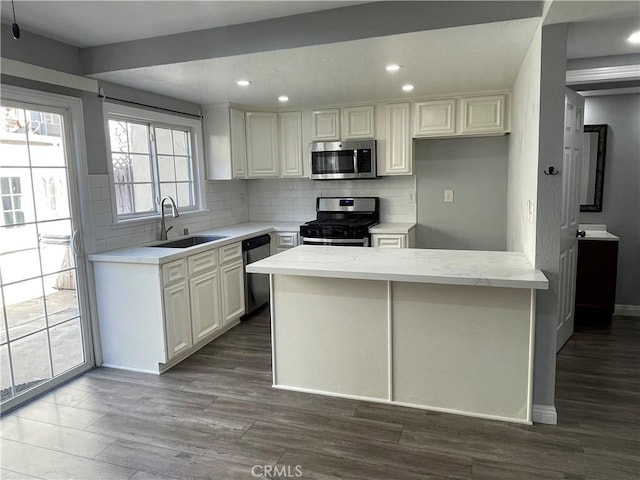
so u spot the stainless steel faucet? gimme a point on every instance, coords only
(174, 214)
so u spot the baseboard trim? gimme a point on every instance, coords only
(627, 310)
(545, 414)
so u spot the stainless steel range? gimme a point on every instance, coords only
(342, 221)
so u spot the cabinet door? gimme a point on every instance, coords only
(483, 114)
(326, 124)
(232, 278)
(398, 157)
(205, 306)
(358, 122)
(434, 118)
(262, 144)
(389, 240)
(291, 155)
(238, 143)
(177, 318)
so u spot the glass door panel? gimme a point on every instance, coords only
(42, 333)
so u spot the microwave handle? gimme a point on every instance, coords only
(355, 160)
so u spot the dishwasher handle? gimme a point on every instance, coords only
(255, 242)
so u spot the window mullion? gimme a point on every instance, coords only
(154, 165)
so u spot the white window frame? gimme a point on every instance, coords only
(164, 120)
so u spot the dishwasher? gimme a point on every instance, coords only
(256, 285)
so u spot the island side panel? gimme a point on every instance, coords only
(331, 335)
(463, 349)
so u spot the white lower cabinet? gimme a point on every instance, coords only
(284, 241)
(232, 292)
(177, 319)
(205, 306)
(153, 316)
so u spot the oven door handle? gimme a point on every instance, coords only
(331, 241)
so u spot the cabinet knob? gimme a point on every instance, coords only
(581, 233)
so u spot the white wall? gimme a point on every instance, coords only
(294, 199)
(226, 205)
(523, 154)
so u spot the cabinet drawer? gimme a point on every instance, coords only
(174, 272)
(286, 240)
(202, 261)
(390, 241)
(230, 253)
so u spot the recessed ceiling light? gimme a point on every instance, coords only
(243, 83)
(283, 98)
(634, 37)
(393, 67)
(407, 88)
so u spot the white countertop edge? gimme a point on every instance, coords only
(391, 227)
(599, 235)
(399, 277)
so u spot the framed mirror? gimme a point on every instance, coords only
(592, 175)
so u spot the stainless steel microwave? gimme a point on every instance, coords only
(343, 160)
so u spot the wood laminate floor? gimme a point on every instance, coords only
(215, 416)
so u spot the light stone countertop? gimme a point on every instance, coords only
(452, 267)
(394, 228)
(159, 255)
(597, 232)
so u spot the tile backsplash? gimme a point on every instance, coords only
(294, 199)
(237, 201)
(226, 205)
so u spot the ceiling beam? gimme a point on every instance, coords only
(328, 26)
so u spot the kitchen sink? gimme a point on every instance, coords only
(189, 241)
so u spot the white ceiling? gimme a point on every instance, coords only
(462, 59)
(603, 38)
(472, 58)
(90, 23)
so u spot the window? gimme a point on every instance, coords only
(151, 159)
(11, 193)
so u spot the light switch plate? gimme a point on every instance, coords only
(412, 196)
(448, 196)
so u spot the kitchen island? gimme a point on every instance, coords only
(444, 330)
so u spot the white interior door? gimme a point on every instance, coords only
(570, 171)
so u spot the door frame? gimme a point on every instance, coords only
(71, 110)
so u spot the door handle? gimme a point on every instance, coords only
(581, 233)
(74, 243)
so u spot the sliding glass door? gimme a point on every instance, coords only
(44, 336)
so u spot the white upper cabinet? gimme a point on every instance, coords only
(238, 143)
(462, 116)
(357, 122)
(483, 114)
(397, 155)
(291, 151)
(434, 117)
(347, 123)
(326, 125)
(262, 144)
(225, 142)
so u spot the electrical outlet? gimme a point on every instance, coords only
(448, 196)
(412, 196)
